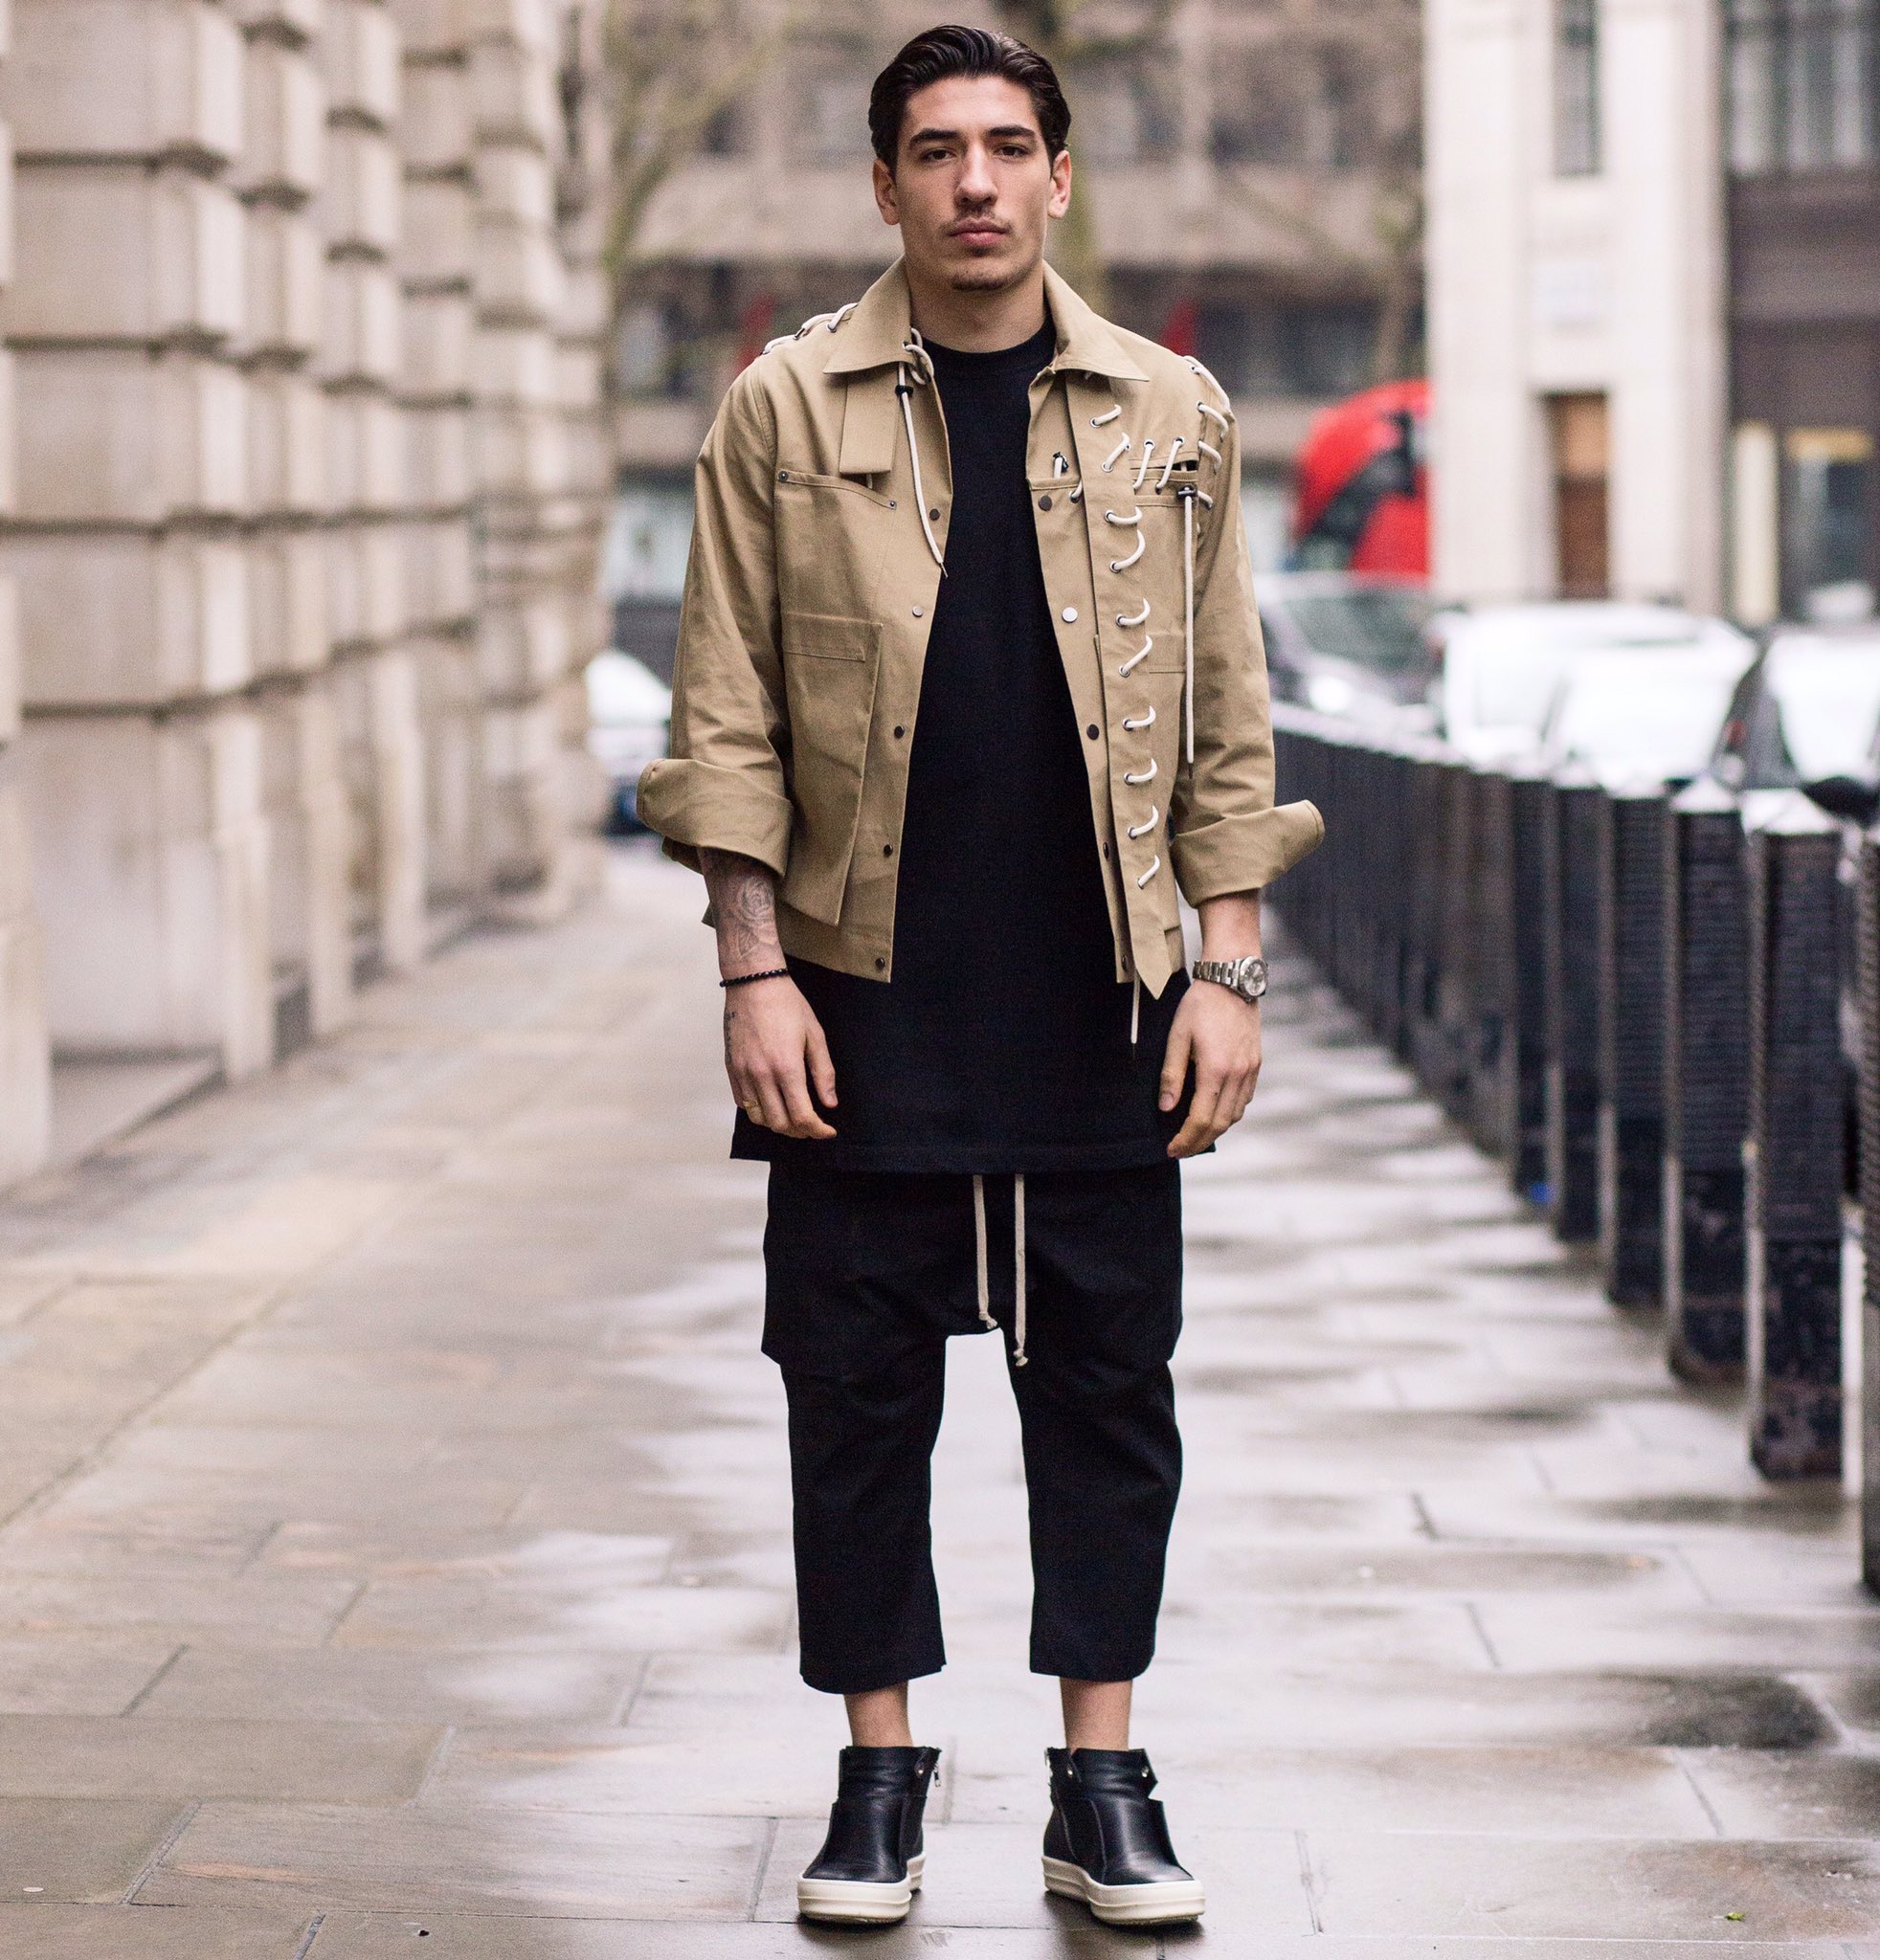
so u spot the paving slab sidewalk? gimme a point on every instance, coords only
(395, 1537)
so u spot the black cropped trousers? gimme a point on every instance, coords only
(867, 1274)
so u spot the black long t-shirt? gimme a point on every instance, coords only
(1002, 1041)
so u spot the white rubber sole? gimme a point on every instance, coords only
(1157, 1904)
(853, 1903)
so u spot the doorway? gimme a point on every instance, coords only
(1579, 446)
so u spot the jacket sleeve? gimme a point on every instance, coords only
(723, 785)
(1225, 833)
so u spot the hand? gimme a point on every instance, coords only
(1219, 1033)
(774, 1050)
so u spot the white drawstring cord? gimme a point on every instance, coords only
(981, 1263)
(905, 390)
(1136, 1007)
(979, 1249)
(1018, 1285)
(1188, 618)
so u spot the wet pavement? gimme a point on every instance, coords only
(395, 1538)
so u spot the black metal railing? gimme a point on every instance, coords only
(1641, 1003)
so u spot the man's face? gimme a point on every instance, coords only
(973, 188)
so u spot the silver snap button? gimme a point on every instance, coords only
(1070, 615)
(918, 611)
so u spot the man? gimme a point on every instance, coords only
(968, 682)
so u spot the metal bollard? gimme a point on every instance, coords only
(1571, 860)
(1493, 1117)
(1422, 1031)
(1793, 1156)
(1867, 969)
(1630, 991)
(1528, 796)
(1706, 1058)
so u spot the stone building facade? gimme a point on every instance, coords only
(1578, 344)
(303, 469)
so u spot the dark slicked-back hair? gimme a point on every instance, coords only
(944, 52)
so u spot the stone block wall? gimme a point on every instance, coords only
(294, 547)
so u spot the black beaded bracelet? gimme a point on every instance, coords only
(744, 979)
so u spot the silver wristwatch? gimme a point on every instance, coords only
(1246, 977)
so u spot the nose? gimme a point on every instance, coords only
(976, 179)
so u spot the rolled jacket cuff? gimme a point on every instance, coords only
(1243, 853)
(697, 807)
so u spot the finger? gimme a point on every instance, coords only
(822, 1069)
(1200, 1131)
(1175, 1066)
(774, 1112)
(804, 1122)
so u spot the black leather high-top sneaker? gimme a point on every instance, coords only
(870, 1867)
(1107, 1840)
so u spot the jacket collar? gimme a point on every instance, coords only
(874, 333)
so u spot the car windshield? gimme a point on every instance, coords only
(1647, 711)
(1828, 695)
(1379, 627)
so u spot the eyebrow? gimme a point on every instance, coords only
(946, 135)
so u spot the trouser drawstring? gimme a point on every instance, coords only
(981, 1263)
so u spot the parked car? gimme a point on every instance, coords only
(1632, 713)
(1500, 666)
(1346, 644)
(1806, 716)
(628, 708)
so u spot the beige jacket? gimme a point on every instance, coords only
(823, 496)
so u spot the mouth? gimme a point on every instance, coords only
(977, 233)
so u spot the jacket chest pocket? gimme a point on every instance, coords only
(830, 666)
(1141, 574)
(832, 535)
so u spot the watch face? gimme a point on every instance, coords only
(1251, 978)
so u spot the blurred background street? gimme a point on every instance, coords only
(393, 1503)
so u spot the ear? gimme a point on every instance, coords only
(1060, 199)
(885, 201)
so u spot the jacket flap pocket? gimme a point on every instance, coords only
(822, 636)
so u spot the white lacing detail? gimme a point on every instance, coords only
(832, 321)
(1208, 449)
(923, 363)
(1135, 659)
(1207, 501)
(1155, 865)
(1147, 721)
(1188, 623)
(1196, 367)
(1059, 464)
(1123, 563)
(1109, 415)
(1133, 618)
(1162, 481)
(1142, 468)
(1142, 829)
(1108, 461)
(980, 1261)
(1213, 415)
(1111, 517)
(1137, 780)
(1077, 495)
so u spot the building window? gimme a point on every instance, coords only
(1260, 110)
(1578, 439)
(1309, 350)
(1577, 88)
(1828, 496)
(1804, 85)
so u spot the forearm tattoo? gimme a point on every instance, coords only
(744, 907)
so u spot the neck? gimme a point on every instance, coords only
(977, 323)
